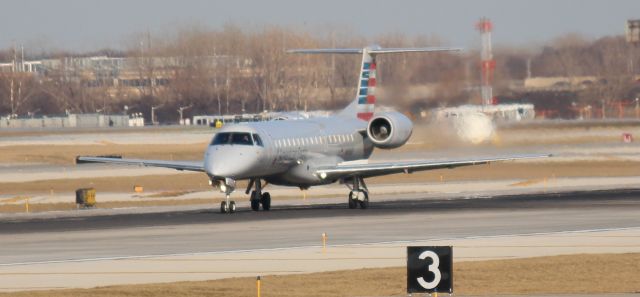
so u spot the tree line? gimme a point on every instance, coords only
(251, 72)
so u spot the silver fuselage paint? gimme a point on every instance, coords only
(291, 151)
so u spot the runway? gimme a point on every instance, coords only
(184, 232)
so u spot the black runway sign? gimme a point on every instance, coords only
(429, 269)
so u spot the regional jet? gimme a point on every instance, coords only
(311, 152)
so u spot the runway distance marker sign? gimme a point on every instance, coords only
(429, 269)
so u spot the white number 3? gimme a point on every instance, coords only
(433, 268)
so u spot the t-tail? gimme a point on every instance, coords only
(363, 106)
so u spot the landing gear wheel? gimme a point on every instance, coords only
(224, 208)
(364, 204)
(232, 206)
(265, 200)
(352, 202)
(255, 201)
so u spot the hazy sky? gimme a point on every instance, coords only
(91, 24)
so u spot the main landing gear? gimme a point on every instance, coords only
(257, 196)
(359, 194)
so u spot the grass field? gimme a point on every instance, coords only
(518, 136)
(573, 274)
(197, 181)
(164, 189)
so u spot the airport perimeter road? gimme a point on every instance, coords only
(131, 235)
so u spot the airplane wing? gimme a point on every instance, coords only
(378, 169)
(177, 165)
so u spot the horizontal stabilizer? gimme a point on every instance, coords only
(373, 50)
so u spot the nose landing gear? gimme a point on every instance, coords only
(227, 186)
(228, 206)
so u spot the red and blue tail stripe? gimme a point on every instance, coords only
(366, 88)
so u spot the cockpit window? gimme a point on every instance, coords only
(232, 138)
(257, 140)
(221, 138)
(241, 139)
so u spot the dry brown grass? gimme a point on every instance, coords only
(165, 187)
(519, 170)
(167, 194)
(66, 154)
(76, 131)
(434, 137)
(574, 274)
(425, 137)
(41, 207)
(181, 182)
(151, 183)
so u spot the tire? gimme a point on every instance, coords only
(223, 207)
(255, 201)
(265, 200)
(364, 204)
(352, 202)
(232, 206)
(255, 204)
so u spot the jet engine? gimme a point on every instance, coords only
(389, 130)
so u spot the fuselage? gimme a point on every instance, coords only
(286, 152)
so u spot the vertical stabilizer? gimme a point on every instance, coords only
(366, 87)
(363, 106)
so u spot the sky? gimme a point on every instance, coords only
(82, 25)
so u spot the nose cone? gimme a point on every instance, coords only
(233, 161)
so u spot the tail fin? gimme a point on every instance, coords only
(364, 104)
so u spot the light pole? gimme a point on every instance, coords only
(153, 114)
(181, 110)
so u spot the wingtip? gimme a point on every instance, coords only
(79, 159)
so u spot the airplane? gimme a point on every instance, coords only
(310, 152)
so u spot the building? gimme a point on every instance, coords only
(72, 121)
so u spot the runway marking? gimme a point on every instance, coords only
(133, 257)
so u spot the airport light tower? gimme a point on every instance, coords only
(181, 110)
(487, 64)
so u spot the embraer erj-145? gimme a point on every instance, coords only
(315, 151)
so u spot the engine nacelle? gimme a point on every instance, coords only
(389, 130)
